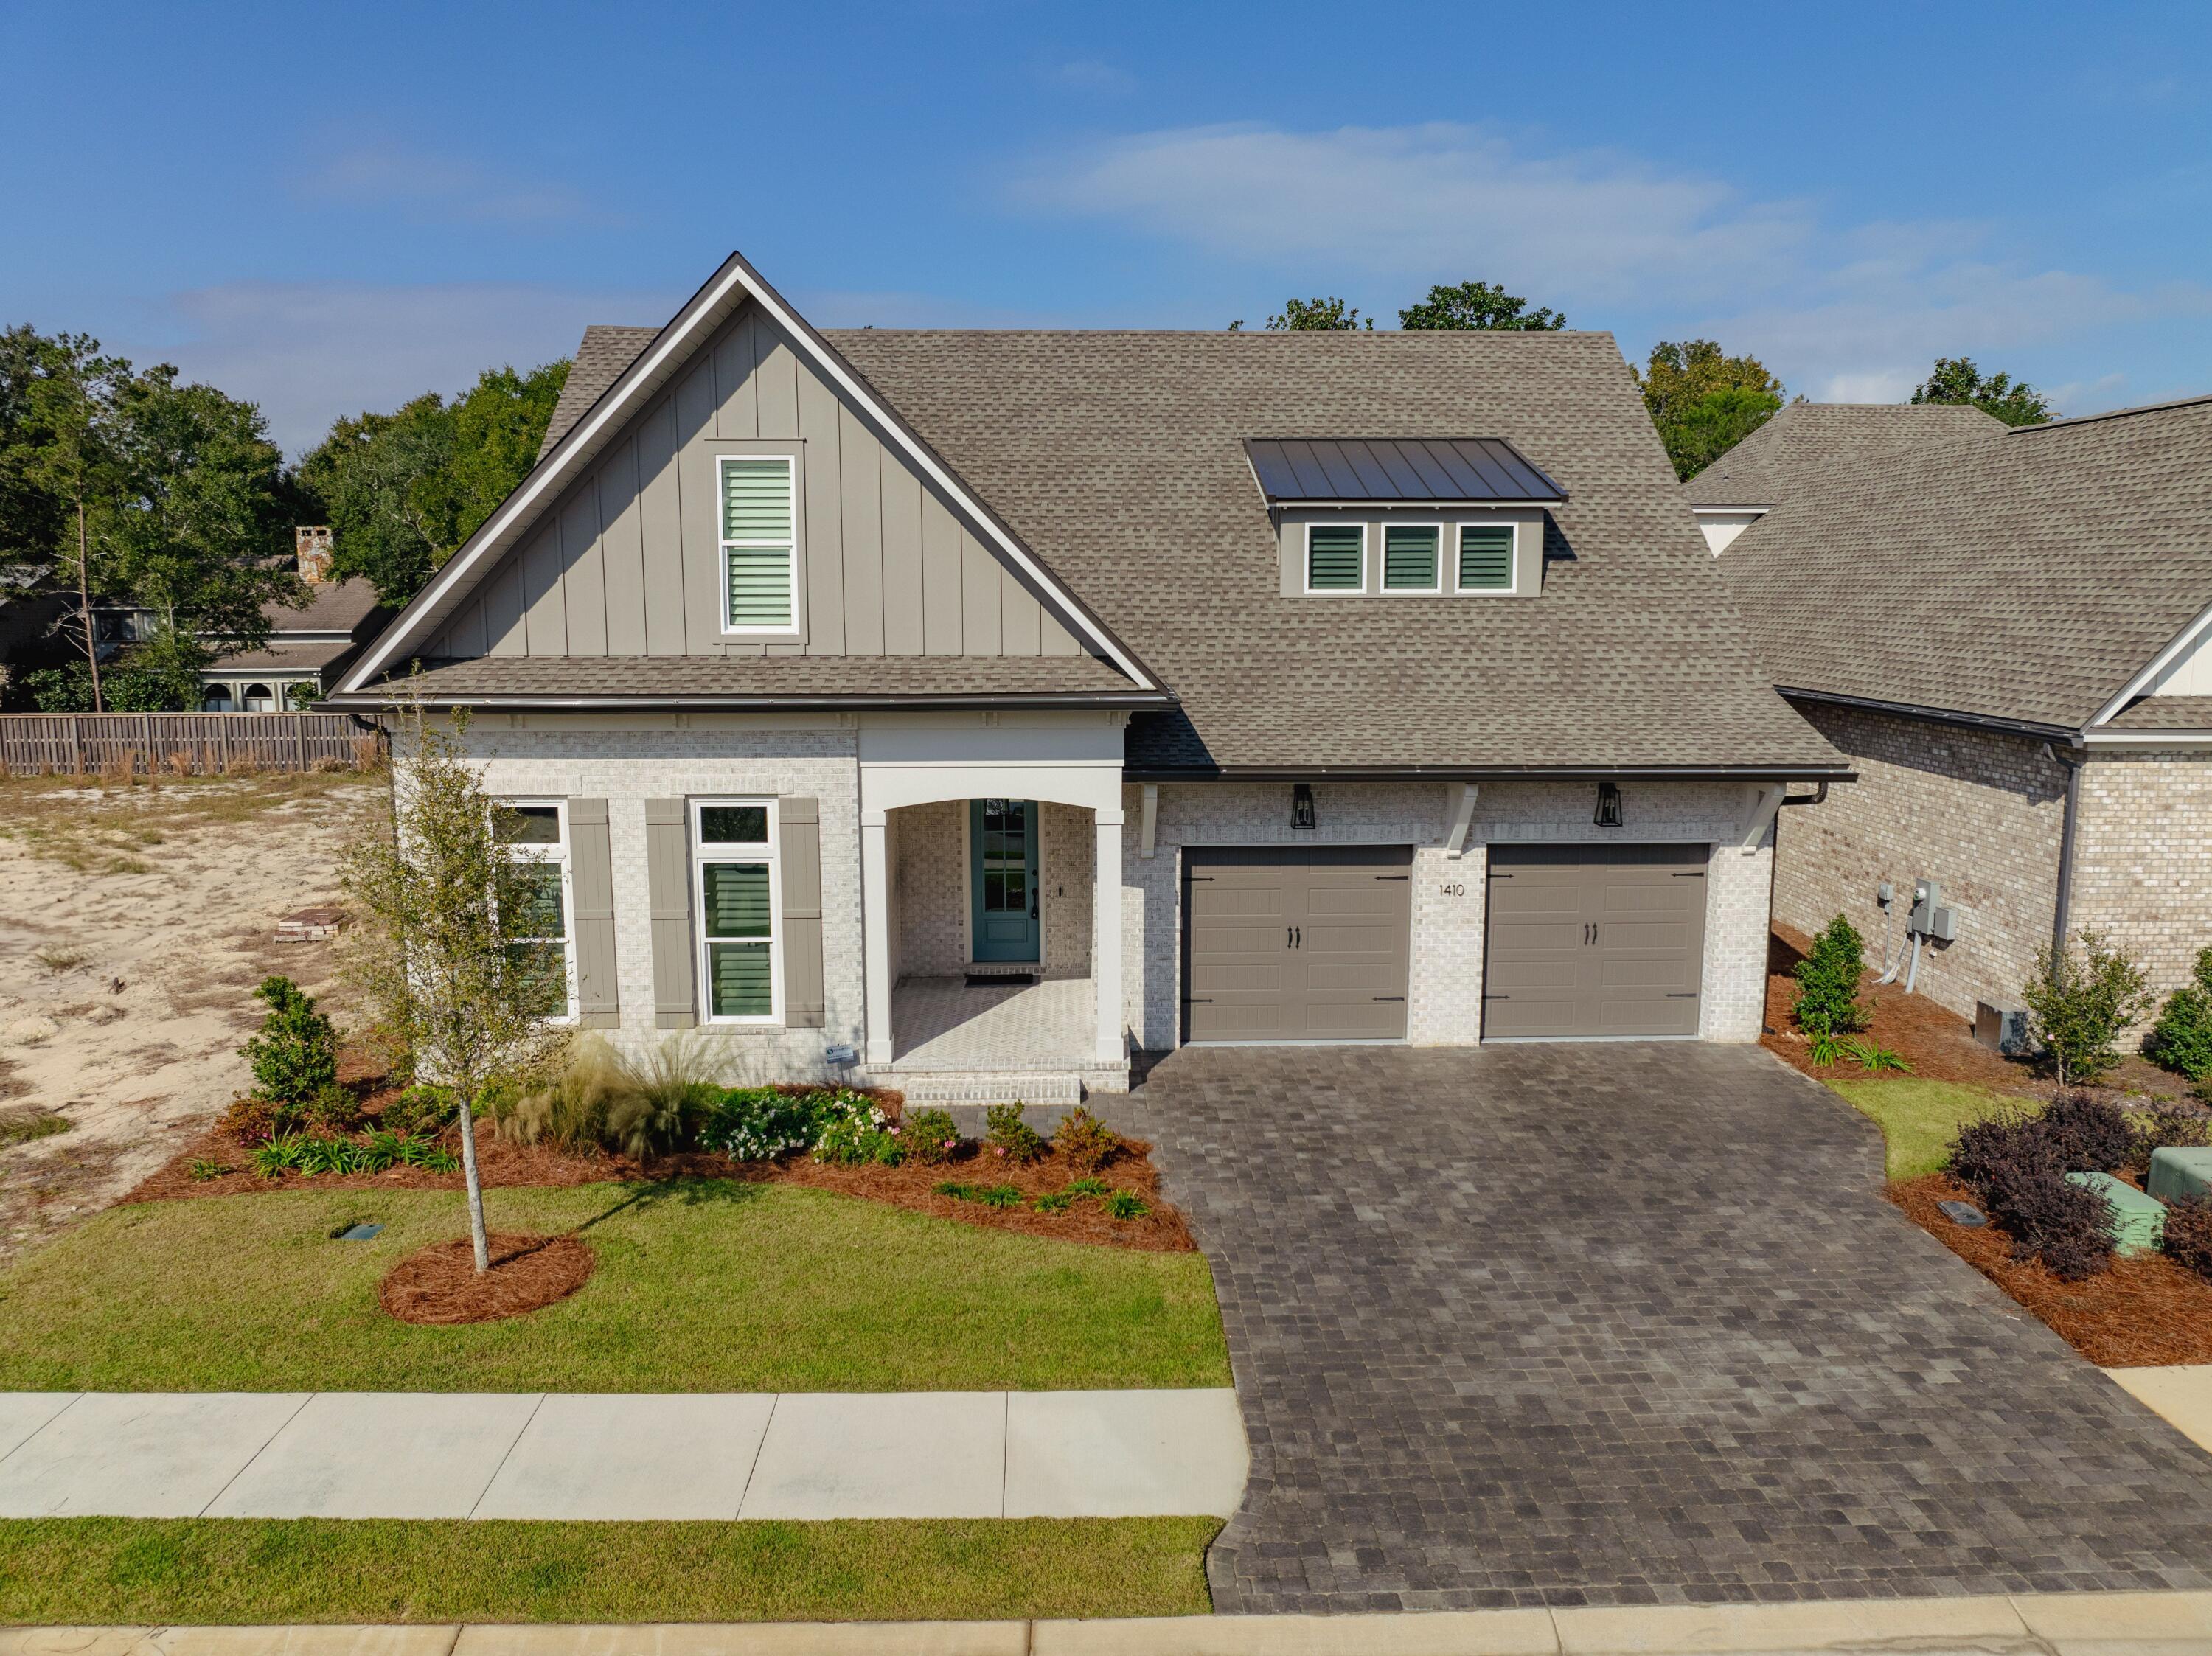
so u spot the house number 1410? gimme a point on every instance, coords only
(1453, 888)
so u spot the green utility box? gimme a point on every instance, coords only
(2176, 1173)
(2137, 1220)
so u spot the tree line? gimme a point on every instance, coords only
(124, 488)
(1703, 402)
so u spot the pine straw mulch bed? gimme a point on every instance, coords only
(2145, 1310)
(439, 1284)
(503, 1163)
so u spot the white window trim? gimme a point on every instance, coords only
(701, 855)
(1306, 570)
(722, 465)
(1512, 527)
(1382, 557)
(557, 853)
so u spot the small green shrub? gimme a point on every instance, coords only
(1054, 1202)
(256, 1121)
(758, 1124)
(295, 1055)
(420, 1110)
(1126, 1205)
(1828, 983)
(273, 1158)
(2078, 1005)
(203, 1169)
(1000, 1196)
(321, 1153)
(2182, 1040)
(1868, 1056)
(2187, 1239)
(855, 1131)
(333, 1109)
(1012, 1138)
(1085, 1142)
(1089, 1187)
(929, 1137)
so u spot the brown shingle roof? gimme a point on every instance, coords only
(1119, 458)
(816, 680)
(1804, 438)
(2028, 577)
(2164, 712)
(605, 351)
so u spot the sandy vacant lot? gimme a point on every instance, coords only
(134, 924)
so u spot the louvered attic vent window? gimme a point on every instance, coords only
(1409, 557)
(1336, 557)
(760, 544)
(1485, 557)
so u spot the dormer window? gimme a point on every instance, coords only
(760, 544)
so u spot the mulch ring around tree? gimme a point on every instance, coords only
(440, 1284)
(2144, 1311)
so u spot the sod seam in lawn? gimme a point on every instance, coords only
(79, 1571)
(701, 1286)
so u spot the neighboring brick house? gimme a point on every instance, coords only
(2005, 630)
(962, 709)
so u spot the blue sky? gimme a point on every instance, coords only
(329, 209)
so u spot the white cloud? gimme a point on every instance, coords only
(438, 187)
(1835, 308)
(309, 352)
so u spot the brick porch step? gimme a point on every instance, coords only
(983, 1086)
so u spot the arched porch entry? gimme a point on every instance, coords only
(984, 828)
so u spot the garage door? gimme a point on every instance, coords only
(1594, 940)
(1296, 943)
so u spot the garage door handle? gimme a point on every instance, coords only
(1394, 876)
(1682, 994)
(1389, 997)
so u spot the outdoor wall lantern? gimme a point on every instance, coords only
(1302, 810)
(1608, 806)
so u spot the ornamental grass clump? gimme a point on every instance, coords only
(1828, 982)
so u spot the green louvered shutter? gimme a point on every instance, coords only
(758, 539)
(1335, 555)
(1485, 557)
(1409, 558)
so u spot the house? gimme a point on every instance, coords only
(1803, 440)
(308, 645)
(2005, 633)
(967, 708)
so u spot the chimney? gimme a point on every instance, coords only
(313, 546)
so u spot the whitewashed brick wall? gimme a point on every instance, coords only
(934, 859)
(627, 766)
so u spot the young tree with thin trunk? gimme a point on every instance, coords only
(444, 955)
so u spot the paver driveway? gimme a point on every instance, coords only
(1621, 1324)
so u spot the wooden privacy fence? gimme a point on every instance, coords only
(182, 744)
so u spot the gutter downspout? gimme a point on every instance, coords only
(1774, 869)
(2065, 901)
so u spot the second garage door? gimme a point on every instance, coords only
(1296, 943)
(1594, 940)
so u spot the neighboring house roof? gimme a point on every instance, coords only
(282, 658)
(337, 606)
(783, 681)
(600, 360)
(310, 636)
(1111, 468)
(1803, 439)
(2032, 576)
(1120, 456)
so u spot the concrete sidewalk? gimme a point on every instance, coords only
(552, 1455)
(2020, 1624)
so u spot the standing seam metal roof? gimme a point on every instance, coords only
(1412, 469)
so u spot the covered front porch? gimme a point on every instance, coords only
(992, 914)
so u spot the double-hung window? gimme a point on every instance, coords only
(533, 835)
(1336, 557)
(1485, 557)
(760, 544)
(1410, 563)
(733, 858)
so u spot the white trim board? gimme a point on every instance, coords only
(2184, 641)
(734, 283)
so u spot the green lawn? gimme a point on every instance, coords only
(1918, 1118)
(703, 1286)
(200, 1571)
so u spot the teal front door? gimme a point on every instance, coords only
(1002, 871)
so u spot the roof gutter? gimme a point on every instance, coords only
(2042, 732)
(1822, 774)
(352, 702)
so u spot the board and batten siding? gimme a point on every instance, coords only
(629, 562)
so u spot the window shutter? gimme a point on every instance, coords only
(799, 823)
(1409, 558)
(592, 873)
(756, 511)
(668, 877)
(1486, 556)
(1335, 555)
